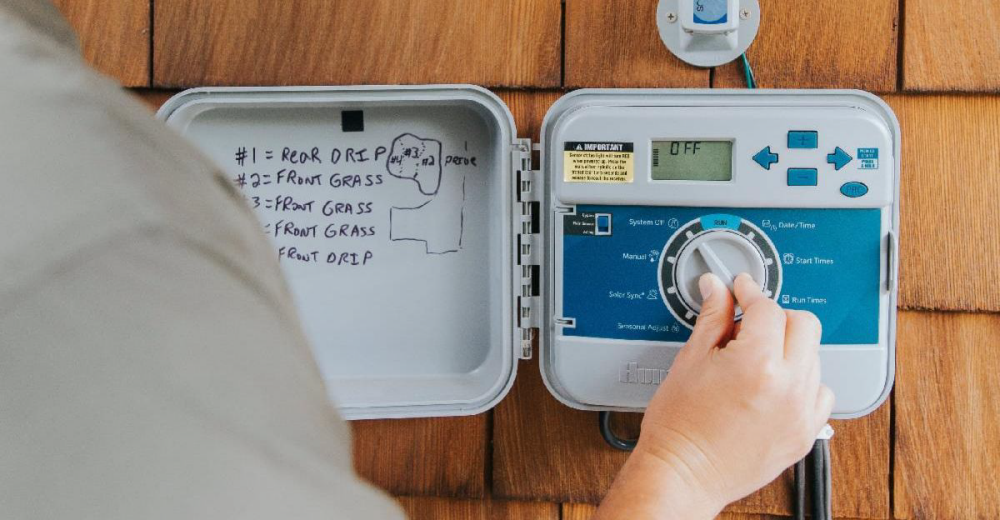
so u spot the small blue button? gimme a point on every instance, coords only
(802, 177)
(807, 139)
(765, 158)
(603, 224)
(853, 189)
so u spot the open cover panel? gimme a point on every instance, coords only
(390, 209)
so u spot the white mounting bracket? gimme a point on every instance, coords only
(708, 33)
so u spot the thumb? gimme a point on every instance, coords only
(715, 322)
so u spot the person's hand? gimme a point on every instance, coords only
(741, 403)
(736, 410)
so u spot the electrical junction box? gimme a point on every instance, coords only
(708, 33)
(427, 253)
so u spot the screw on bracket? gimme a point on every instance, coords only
(671, 17)
(745, 14)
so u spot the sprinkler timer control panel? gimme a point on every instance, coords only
(797, 190)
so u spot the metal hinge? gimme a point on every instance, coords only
(529, 245)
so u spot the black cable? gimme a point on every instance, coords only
(816, 465)
(827, 480)
(800, 490)
(616, 442)
(817, 486)
(814, 472)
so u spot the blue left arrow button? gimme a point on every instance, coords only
(839, 158)
(765, 158)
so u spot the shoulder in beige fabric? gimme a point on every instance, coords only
(151, 363)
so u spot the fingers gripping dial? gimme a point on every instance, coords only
(725, 245)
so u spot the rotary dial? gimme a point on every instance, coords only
(725, 245)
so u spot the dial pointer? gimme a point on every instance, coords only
(715, 265)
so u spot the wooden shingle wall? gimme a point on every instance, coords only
(930, 452)
(295, 42)
(114, 36)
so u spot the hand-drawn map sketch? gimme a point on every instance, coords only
(438, 222)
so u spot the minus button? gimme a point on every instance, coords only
(803, 177)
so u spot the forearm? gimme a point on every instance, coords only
(652, 486)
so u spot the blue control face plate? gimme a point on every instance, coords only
(830, 262)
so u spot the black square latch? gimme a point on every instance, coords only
(352, 120)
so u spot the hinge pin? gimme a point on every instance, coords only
(527, 199)
(527, 335)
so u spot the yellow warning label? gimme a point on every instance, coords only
(598, 162)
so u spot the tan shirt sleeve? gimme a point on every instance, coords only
(146, 381)
(151, 362)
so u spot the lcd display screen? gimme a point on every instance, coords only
(692, 161)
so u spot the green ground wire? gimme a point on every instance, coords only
(748, 72)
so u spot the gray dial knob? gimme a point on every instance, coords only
(725, 245)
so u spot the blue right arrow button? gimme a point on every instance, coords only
(765, 158)
(839, 158)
